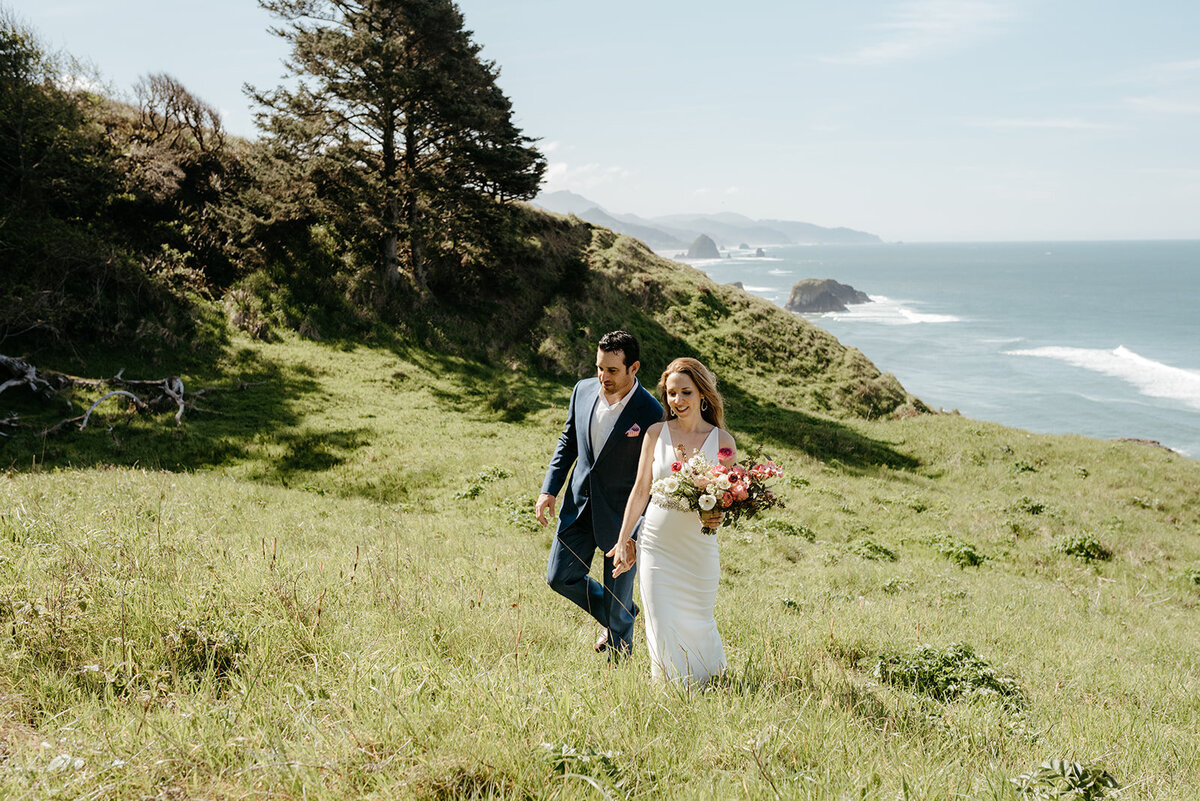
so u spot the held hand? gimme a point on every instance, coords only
(545, 502)
(623, 554)
(712, 520)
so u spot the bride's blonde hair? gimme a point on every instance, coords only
(713, 408)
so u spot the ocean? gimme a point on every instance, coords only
(1093, 338)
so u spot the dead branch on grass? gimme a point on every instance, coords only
(146, 395)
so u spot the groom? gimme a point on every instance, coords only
(606, 422)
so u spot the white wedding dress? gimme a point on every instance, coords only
(678, 571)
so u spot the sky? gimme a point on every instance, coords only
(917, 120)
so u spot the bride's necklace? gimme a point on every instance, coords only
(682, 440)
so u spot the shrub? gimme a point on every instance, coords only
(788, 529)
(960, 552)
(480, 481)
(870, 549)
(587, 763)
(519, 512)
(200, 648)
(1083, 546)
(1029, 506)
(1058, 778)
(947, 674)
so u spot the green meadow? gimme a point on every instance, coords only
(328, 584)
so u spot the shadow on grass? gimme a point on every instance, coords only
(828, 440)
(252, 396)
(487, 391)
(758, 422)
(255, 413)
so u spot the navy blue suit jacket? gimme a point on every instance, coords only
(601, 481)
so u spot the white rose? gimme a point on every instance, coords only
(670, 485)
(707, 502)
(723, 482)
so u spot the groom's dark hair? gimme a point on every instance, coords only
(623, 341)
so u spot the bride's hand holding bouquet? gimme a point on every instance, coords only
(722, 493)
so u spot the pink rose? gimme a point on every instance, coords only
(740, 493)
(719, 469)
(676, 467)
(726, 499)
(725, 453)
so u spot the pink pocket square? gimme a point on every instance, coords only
(633, 432)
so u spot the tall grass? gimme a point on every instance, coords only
(337, 591)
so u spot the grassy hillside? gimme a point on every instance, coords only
(338, 592)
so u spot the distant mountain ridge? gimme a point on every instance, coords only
(727, 229)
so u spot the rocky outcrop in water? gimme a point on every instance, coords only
(819, 295)
(703, 248)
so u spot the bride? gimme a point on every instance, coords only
(678, 565)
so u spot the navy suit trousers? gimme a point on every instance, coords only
(610, 603)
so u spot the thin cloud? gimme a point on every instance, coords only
(1041, 123)
(561, 175)
(927, 27)
(1164, 105)
(1174, 68)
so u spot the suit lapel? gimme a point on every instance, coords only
(586, 409)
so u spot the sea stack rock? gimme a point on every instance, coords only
(703, 248)
(760, 252)
(819, 295)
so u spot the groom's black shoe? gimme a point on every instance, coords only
(602, 641)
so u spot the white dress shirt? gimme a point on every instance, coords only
(604, 417)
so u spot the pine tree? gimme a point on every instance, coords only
(396, 91)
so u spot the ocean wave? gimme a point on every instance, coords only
(885, 311)
(1151, 378)
(777, 271)
(758, 289)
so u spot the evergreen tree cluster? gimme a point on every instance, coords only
(382, 178)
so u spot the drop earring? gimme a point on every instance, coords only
(704, 404)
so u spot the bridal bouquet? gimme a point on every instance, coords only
(695, 485)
